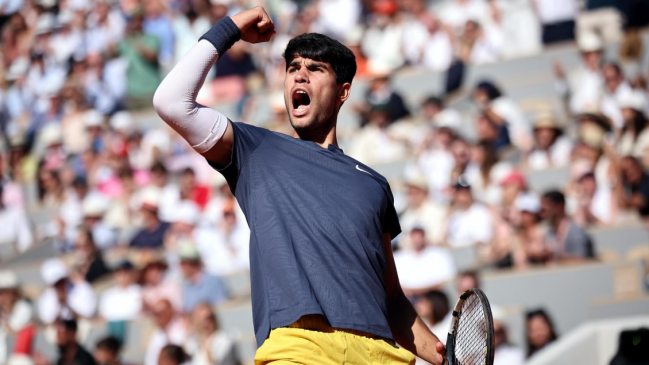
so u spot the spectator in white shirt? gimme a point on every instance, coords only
(16, 230)
(337, 17)
(505, 353)
(386, 31)
(634, 135)
(171, 328)
(16, 318)
(592, 203)
(551, 148)
(122, 302)
(437, 50)
(422, 211)
(583, 86)
(470, 223)
(456, 13)
(65, 297)
(208, 345)
(421, 267)
(616, 88)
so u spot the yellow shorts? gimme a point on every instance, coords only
(311, 341)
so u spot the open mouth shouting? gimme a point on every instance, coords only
(301, 102)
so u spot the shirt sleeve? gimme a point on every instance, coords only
(246, 139)
(390, 219)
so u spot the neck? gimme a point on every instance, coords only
(557, 222)
(322, 137)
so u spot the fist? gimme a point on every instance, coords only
(255, 25)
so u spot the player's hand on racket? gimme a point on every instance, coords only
(441, 350)
(255, 25)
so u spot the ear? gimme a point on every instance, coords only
(344, 91)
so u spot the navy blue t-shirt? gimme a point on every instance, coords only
(317, 219)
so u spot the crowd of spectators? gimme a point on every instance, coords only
(144, 226)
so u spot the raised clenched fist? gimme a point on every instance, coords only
(255, 25)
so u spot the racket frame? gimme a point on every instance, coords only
(449, 356)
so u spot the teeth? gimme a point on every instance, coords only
(301, 108)
(300, 92)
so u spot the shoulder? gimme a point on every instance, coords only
(364, 168)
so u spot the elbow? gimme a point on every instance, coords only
(161, 102)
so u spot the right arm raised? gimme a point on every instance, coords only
(205, 129)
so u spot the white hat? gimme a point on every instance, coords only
(45, 23)
(528, 202)
(92, 118)
(94, 205)
(187, 251)
(8, 279)
(51, 134)
(187, 212)
(121, 121)
(46, 3)
(150, 197)
(64, 18)
(17, 359)
(633, 100)
(589, 42)
(79, 5)
(17, 69)
(53, 270)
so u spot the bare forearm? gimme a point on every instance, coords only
(410, 331)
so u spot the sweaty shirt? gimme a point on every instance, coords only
(317, 219)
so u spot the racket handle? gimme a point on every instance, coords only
(445, 360)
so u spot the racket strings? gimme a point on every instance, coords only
(471, 338)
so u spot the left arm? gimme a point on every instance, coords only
(407, 328)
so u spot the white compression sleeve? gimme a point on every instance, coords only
(175, 99)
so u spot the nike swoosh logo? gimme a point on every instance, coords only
(359, 169)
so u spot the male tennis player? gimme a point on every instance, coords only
(324, 285)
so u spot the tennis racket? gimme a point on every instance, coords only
(471, 336)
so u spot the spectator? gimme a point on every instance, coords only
(383, 28)
(208, 345)
(141, 53)
(487, 173)
(584, 85)
(107, 351)
(456, 13)
(191, 190)
(170, 329)
(467, 280)
(229, 253)
(172, 355)
(551, 148)
(469, 222)
(159, 26)
(437, 161)
(634, 193)
(16, 318)
(479, 45)
(421, 267)
(566, 239)
(94, 207)
(557, 18)
(540, 331)
(616, 89)
(156, 286)
(198, 286)
(70, 351)
(17, 231)
(634, 138)
(529, 243)
(505, 353)
(593, 203)
(433, 308)
(169, 192)
(437, 51)
(437, 115)
(90, 265)
(422, 211)
(152, 234)
(65, 297)
(503, 113)
(374, 144)
(380, 95)
(121, 303)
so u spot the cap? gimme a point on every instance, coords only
(17, 69)
(121, 121)
(188, 252)
(94, 206)
(187, 212)
(515, 178)
(8, 280)
(591, 135)
(53, 270)
(150, 198)
(51, 135)
(528, 203)
(417, 180)
(634, 100)
(93, 118)
(546, 119)
(45, 23)
(589, 42)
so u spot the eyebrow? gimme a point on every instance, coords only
(312, 64)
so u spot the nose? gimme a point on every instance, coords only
(302, 76)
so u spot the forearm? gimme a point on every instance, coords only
(175, 98)
(409, 330)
